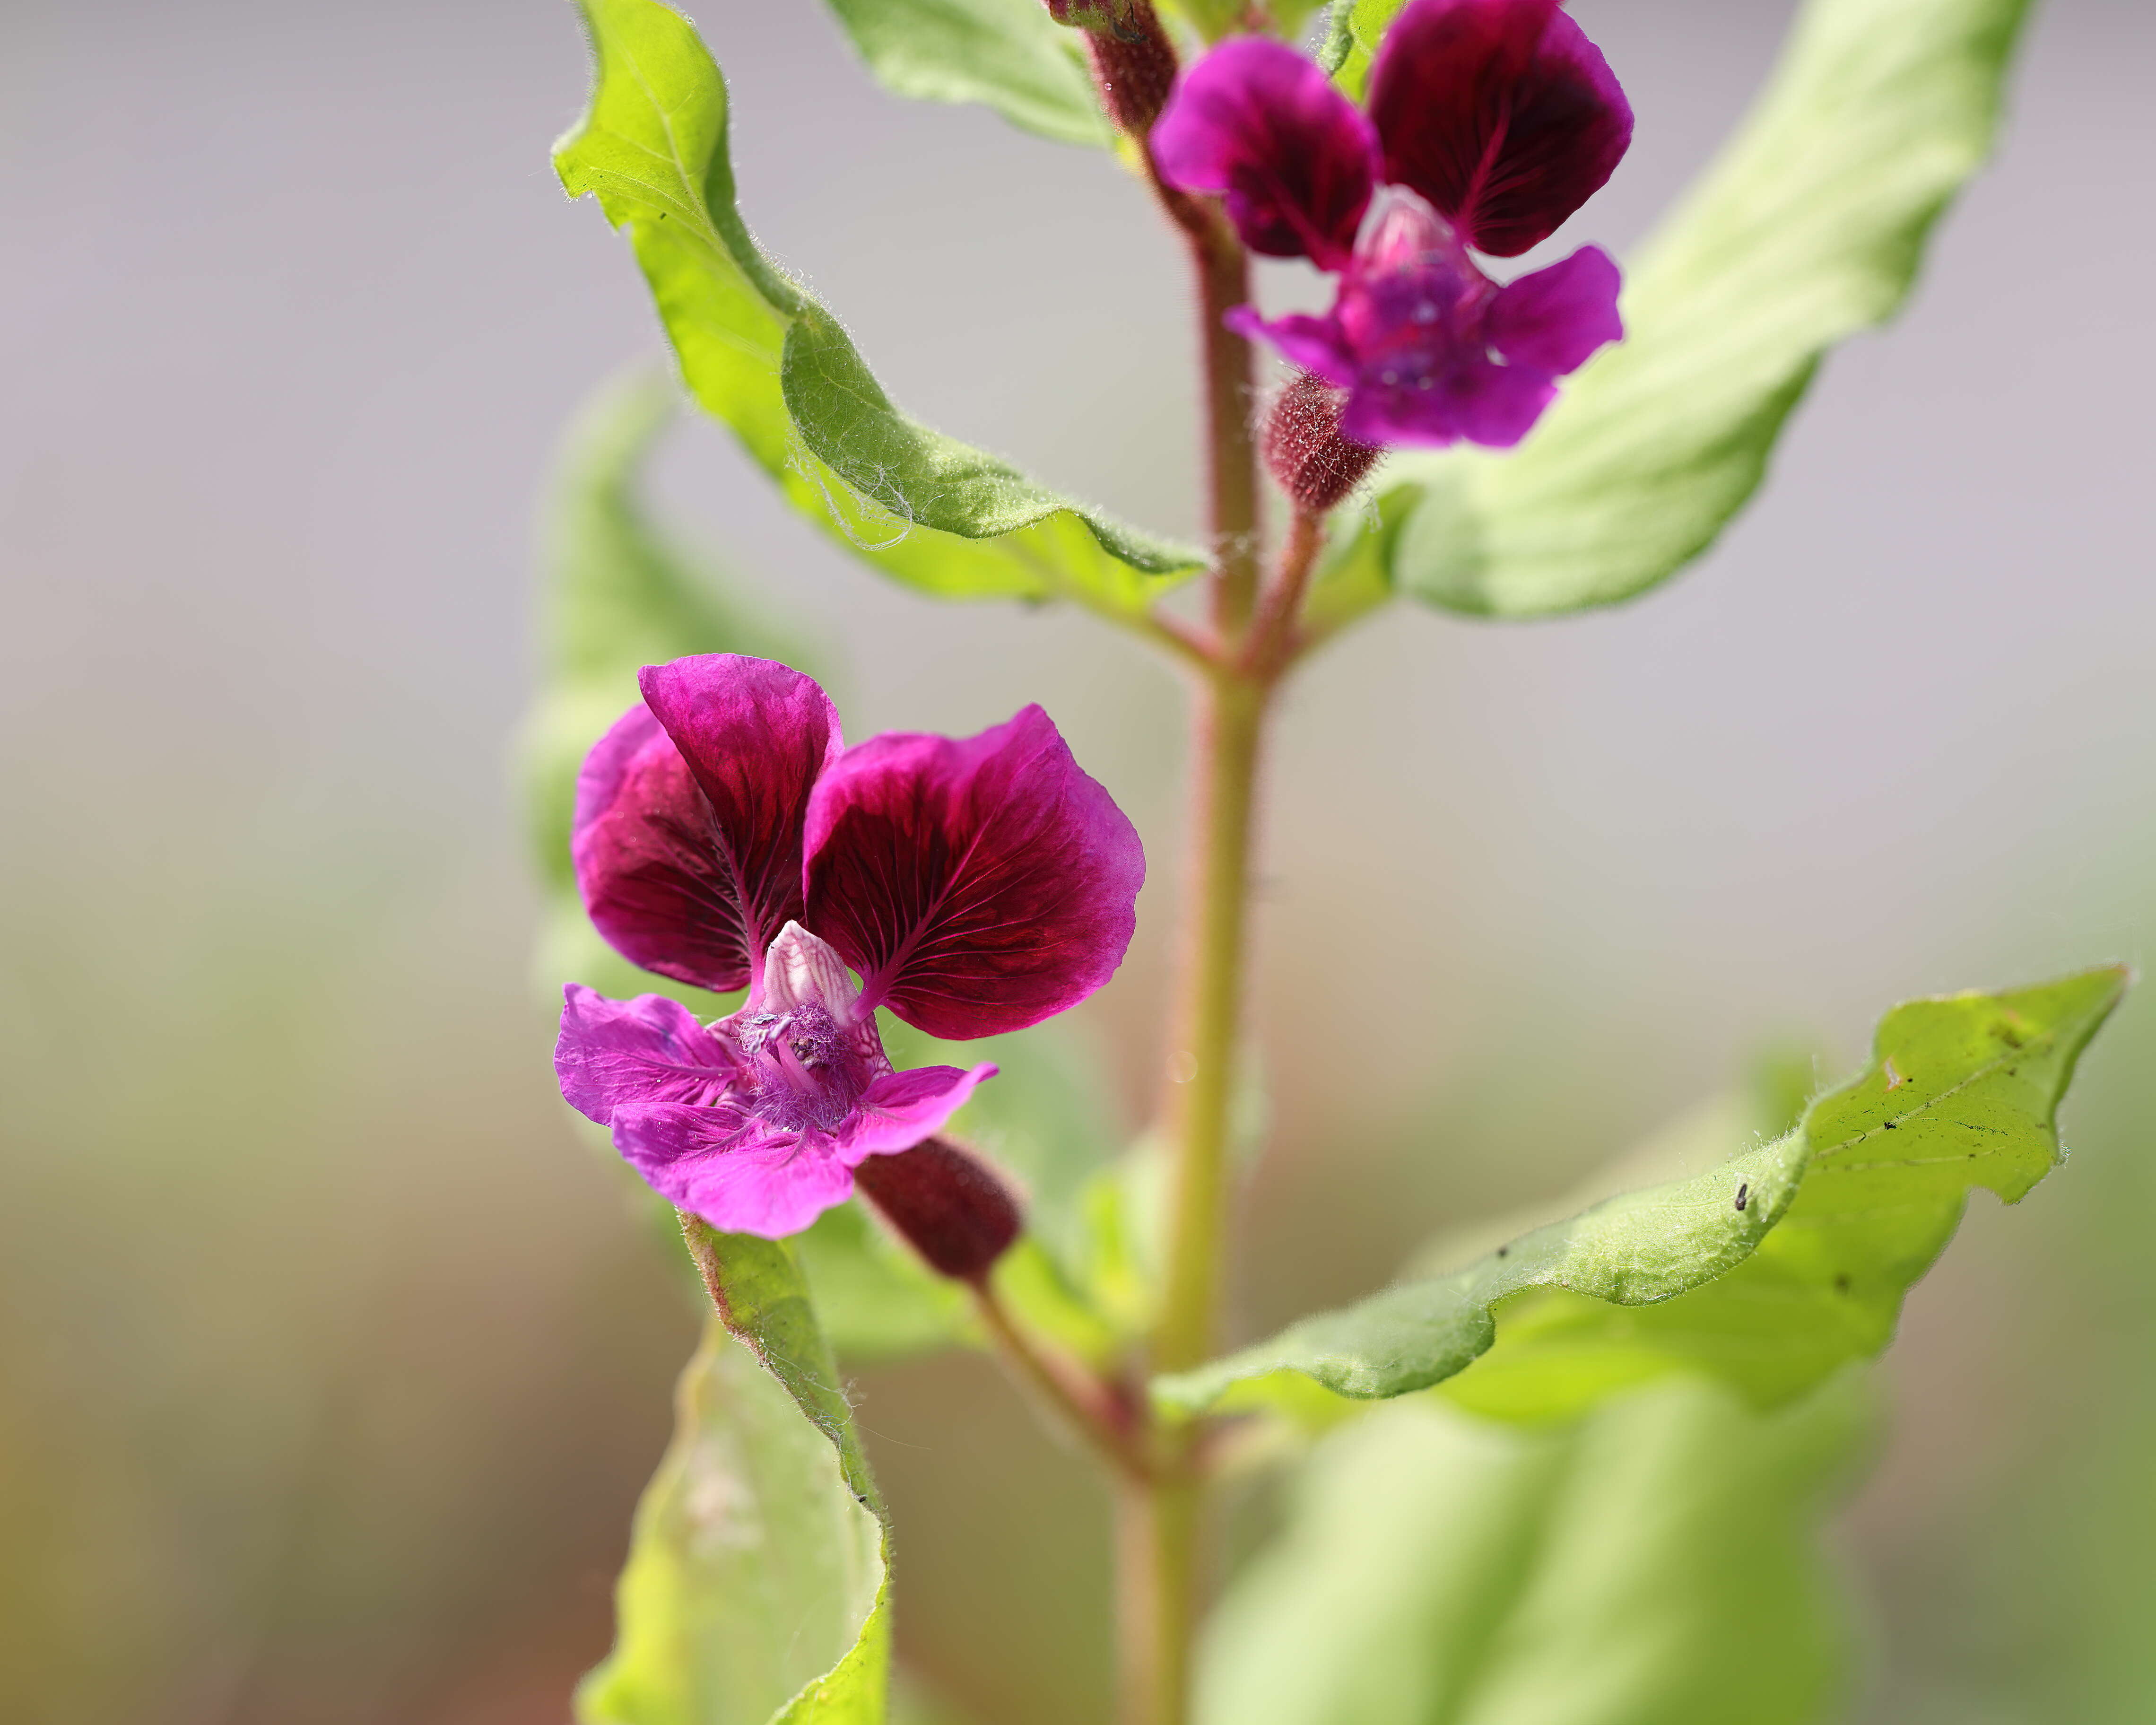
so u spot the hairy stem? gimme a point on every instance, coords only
(1274, 634)
(1222, 270)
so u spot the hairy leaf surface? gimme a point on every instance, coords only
(1768, 1273)
(760, 353)
(1658, 1562)
(1809, 227)
(757, 1590)
(1007, 54)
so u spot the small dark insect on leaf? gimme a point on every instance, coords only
(1743, 1194)
(1504, 1251)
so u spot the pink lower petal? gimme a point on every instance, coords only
(726, 1167)
(615, 1054)
(900, 1109)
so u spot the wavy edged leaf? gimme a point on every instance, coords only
(1809, 227)
(757, 1587)
(1660, 1561)
(761, 354)
(1005, 54)
(1837, 1222)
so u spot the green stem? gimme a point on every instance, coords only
(1160, 1516)
(1206, 1031)
(1157, 1528)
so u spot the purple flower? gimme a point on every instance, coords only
(1490, 122)
(724, 836)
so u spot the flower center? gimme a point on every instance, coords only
(803, 1071)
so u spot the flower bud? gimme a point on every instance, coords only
(1134, 64)
(1304, 450)
(949, 1205)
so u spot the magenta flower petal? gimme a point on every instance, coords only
(1471, 400)
(899, 1109)
(1500, 112)
(653, 882)
(1297, 159)
(691, 869)
(977, 885)
(615, 1053)
(1317, 344)
(725, 1165)
(1556, 318)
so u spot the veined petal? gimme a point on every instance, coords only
(613, 1053)
(754, 735)
(1501, 112)
(652, 869)
(977, 886)
(1555, 318)
(727, 1166)
(900, 1109)
(1297, 160)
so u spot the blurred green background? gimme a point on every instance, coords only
(331, 1360)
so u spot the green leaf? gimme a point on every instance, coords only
(1008, 54)
(1660, 1562)
(1768, 1273)
(759, 353)
(757, 1585)
(1810, 227)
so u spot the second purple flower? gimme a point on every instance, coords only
(1489, 123)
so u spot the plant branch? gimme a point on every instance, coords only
(1081, 1402)
(1274, 636)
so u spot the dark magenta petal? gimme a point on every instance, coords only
(900, 1109)
(1297, 160)
(613, 1053)
(688, 827)
(1556, 318)
(756, 735)
(733, 1170)
(653, 871)
(977, 885)
(1501, 112)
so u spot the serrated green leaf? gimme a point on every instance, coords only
(1659, 1563)
(757, 1587)
(759, 353)
(1963, 1092)
(1809, 227)
(1006, 55)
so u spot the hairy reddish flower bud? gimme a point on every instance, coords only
(951, 1206)
(1304, 450)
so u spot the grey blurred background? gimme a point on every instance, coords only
(330, 1363)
